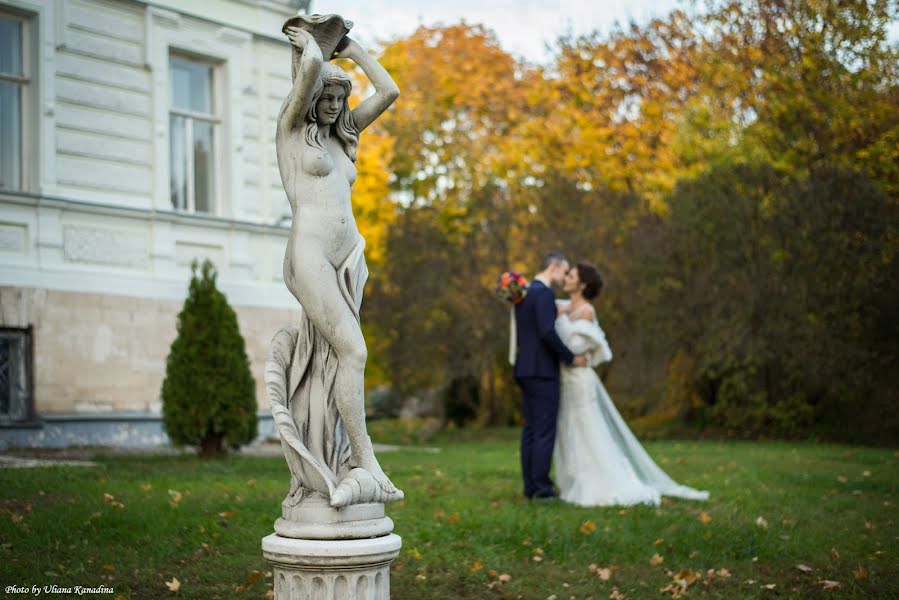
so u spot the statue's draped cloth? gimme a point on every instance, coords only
(299, 377)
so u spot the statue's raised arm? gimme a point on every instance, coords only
(386, 91)
(306, 67)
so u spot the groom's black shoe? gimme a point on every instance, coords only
(545, 497)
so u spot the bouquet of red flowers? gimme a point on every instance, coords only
(511, 287)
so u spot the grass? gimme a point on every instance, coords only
(467, 532)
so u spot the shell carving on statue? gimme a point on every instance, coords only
(329, 31)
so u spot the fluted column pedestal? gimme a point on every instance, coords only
(331, 569)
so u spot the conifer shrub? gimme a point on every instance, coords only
(208, 395)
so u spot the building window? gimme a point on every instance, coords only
(194, 134)
(15, 376)
(14, 83)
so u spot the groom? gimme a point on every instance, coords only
(537, 372)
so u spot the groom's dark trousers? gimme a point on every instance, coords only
(537, 372)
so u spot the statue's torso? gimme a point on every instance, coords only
(318, 185)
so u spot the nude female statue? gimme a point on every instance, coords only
(316, 144)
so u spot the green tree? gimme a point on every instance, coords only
(774, 292)
(208, 395)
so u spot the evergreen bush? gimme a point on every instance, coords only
(208, 395)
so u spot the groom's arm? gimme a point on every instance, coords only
(546, 327)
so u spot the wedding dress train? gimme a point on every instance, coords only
(597, 459)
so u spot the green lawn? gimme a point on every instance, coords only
(135, 523)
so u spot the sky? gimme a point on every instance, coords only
(523, 27)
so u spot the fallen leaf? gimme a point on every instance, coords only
(705, 517)
(604, 574)
(762, 522)
(227, 514)
(175, 497)
(659, 541)
(860, 573)
(869, 525)
(593, 567)
(587, 527)
(107, 498)
(834, 554)
(421, 577)
(270, 595)
(174, 585)
(476, 566)
(146, 487)
(656, 559)
(537, 558)
(504, 577)
(828, 584)
(842, 478)
(722, 573)
(866, 474)
(453, 518)
(804, 568)
(251, 483)
(415, 553)
(769, 586)
(616, 595)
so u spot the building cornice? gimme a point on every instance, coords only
(179, 218)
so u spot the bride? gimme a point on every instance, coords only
(597, 459)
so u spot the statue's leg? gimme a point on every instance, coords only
(315, 285)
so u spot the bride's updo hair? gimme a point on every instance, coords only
(590, 277)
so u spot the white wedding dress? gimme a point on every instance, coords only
(597, 459)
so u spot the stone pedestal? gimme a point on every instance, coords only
(331, 569)
(314, 519)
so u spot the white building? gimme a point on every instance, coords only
(135, 136)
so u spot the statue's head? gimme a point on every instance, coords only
(330, 108)
(330, 98)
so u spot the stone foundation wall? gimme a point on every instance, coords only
(104, 353)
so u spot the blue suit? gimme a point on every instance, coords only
(540, 350)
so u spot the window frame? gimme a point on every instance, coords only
(189, 116)
(26, 334)
(26, 83)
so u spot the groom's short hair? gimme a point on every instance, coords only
(551, 258)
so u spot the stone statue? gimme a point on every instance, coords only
(314, 373)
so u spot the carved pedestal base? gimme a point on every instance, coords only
(331, 569)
